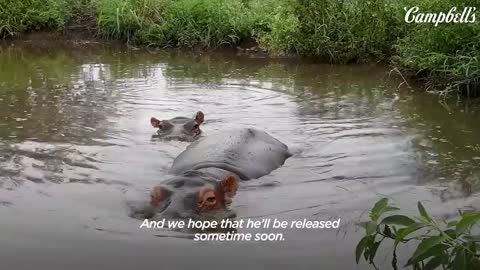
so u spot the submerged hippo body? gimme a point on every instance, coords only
(249, 153)
(206, 174)
(179, 128)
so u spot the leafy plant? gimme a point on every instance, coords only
(21, 16)
(449, 245)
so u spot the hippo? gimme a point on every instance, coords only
(206, 175)
(179, 128)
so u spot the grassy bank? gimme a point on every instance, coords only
(446, 56)
(18, 17)
(30, 15)
(333, 31)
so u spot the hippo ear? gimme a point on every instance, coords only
(156, 196)
(228, 186)
(199, 117)
(155, 122)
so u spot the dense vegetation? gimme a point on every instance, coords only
(440, 244)
(20, 16)
(332, 31)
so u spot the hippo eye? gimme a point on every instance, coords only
(196, 126)
(207, 199)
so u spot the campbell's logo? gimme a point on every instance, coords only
(467, 15)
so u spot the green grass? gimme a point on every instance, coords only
(347, 31)
(446, 53)
(330, 30)
(175, 23)
(28, 15)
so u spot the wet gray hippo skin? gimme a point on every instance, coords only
(179, 128)
(206, 174)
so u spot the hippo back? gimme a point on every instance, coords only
(247, 152)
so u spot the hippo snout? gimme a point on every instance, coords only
(195, 197)
(179, 128)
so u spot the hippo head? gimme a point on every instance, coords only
(179, 128)
(195, 197)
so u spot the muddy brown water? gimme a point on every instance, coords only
(75, 137)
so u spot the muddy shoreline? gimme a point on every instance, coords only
(82, 37)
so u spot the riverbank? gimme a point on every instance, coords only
(444, 57)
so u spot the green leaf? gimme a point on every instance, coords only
(361, 246)
(452, 223)
(368, 248)
(433, 263)
(451, 233)
(423, 212)
(425, 246)
(373, 251)
(460, 261)
(390, 208)
(398, 220)
(378, 209)
(404, 232)
(371, 227)
(434, 251)
(466, 222)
